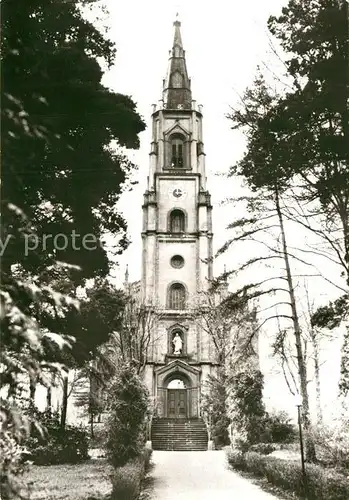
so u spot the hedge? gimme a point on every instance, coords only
(127, 480)
(321, 483)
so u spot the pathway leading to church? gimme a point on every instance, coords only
(199, 475)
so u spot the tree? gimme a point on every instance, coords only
(132, 339)
(315, 338)
(230, 327)
(331, 316)
(312, 338)
(228, 323)
(261, 169)
(127, 327)
(315, 119)
(100, 312)
(128, 399)
(266, 219)
(247, 409)
(59, 92)
(60, 183)
(302, 137)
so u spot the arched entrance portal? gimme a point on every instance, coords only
(177, 397)
(177, 390)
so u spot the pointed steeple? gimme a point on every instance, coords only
(176, 92)
(177, 41)
(126, 283)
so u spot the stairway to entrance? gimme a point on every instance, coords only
(181, 434)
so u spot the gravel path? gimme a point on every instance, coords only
(199, 475)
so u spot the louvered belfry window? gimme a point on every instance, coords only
(177, 160)
(177, 296)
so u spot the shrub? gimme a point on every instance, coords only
(321, 483)
(236, 459)
(56, 445)
(127, 479)
(263, 448)
(332, 443)
(126, 422)
(279, 428)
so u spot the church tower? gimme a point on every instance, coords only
(177, 245)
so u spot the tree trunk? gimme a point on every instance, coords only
(317, 376)
(91, 426)
(64, 402)
(344, 375)
(49, 400)
(315, 343)
(32, 390)
(302, 370)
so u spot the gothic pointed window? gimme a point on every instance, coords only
(177, 152)
(176, 299)
(177, 221)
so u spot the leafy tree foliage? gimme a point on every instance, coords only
(58, 123)
(61, 180)
(312, 123)
(331, 315)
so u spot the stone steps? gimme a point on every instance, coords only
(179, 434)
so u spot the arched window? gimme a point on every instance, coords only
(176, 299)
(177, 80)
(177, 151)
(177, 221)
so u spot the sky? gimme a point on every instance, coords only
(224, 41)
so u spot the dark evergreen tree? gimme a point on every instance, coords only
(60, 182)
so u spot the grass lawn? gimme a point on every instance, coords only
(70, 482)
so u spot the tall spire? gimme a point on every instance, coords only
(177, 93)
(177, 40)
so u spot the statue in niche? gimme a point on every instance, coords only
(177, 343)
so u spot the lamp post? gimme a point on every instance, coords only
(298, 402)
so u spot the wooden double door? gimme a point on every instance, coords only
(177, 403)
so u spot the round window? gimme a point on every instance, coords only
(177, 261)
